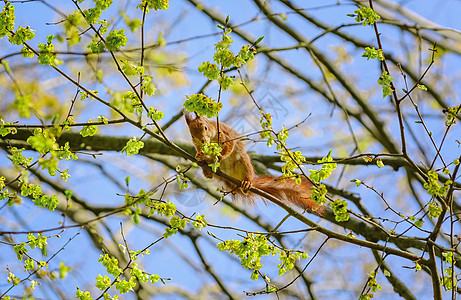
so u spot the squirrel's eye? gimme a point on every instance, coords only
(206, 128)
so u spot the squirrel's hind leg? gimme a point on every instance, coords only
(246, 185)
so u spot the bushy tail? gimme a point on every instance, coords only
(287, 189)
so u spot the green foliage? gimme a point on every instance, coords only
(135, 217)
(47, 55)
(448, 257)
(199, 222)
(64, 152)
(254, 247)
(63, 270)
(67, 123)
(225, 82)
(125, 286)
(20, 250)
(40, 241)
(250, 251)
(6, 19)
(293, 161)
(340, 210)
(43, 140)
(131, 69)
(128, 101)
(155, 114)
(434, 209)
(70, 24)
(225, 41)
(138, 273)
(245, 54)
(33, 242)
(175, 224)
(18, 159)
(103, 119)
(452, 113)
(266, 124)
(111, 264)
(92, 15)
(26, 52)
(209, 70)
(288, 259)
(12, 198)
(319, 190)
(35, 192)
(31, 190)
(155, 4)
(83, 295)
(88, 130)
(21, 35)
(148, 85)
(29, 264)
(318, 193)
(169, 232)
(154, 278)
(202, 105)
(96, 46)
(132, 23)
(133, 146)
(13, 279)
(84, 95)
(456, 162)
(422, 87)
(182, 180)
(116, 39)
(50, 164)
(449, 279)
(214, 150)
(103, 4)
(46, 201)
(23, 104)
(432, 186)
(327, 168)
(224, 59)
(385, 80)
(372, 53)
(103, 282)
(166, 209)
(417, 221)
(366, 15)
(373, 283)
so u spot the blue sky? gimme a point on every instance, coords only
(188, 22)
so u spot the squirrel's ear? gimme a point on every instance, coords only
(189, 117)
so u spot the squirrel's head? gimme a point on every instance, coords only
(201, 129)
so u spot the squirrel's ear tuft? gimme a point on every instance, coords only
(189, 117)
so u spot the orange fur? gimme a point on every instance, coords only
(235, 162)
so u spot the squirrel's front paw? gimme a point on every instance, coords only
(246, 185)
(200, 156)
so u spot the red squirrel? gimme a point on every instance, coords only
(234, 161)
